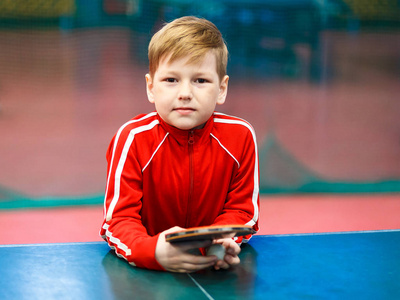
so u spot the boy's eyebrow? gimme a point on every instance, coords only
(168, 73)
(177, 73)
(203, 74)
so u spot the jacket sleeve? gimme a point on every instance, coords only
(242, 203)
(122, 227)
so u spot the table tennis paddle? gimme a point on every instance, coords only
(208, 233)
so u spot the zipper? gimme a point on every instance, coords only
(191, 178)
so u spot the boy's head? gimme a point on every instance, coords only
(187, 77)
(188, 36)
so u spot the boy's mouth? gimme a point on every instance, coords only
(184, 110)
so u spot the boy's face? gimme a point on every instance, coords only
(185, 95)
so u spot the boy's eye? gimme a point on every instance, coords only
(170, 80)
(201, 80)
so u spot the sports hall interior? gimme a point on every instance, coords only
(318, 80)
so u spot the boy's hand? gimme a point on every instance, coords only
(176, 257)
(232, 250)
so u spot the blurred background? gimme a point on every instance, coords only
(318, 80)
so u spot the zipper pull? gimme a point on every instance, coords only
(191, 138)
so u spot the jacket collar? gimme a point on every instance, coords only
(183, 136)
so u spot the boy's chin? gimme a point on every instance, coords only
(188, 126)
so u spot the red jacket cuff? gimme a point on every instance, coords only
(145, 255)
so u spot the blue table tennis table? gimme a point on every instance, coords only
(354, 265)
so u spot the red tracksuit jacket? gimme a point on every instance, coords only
(160, 176)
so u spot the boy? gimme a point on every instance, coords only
(184, 165)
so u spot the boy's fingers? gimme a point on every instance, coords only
(233, 251)
(232, 259)
(200, 260)
(229, 260)
(184, 246)
(173, 229)
(192, 263)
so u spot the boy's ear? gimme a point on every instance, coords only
(149, 88)
(223, 90)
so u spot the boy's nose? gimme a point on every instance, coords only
(185, 92)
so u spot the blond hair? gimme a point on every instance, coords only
(188, 36)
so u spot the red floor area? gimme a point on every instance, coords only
(279, 215)
(333, 213)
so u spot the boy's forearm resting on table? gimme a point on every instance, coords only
(129, 239)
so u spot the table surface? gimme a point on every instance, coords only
(356, 265)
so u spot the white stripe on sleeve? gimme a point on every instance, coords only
(256, 186)
(121, 163)
(115, 146)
